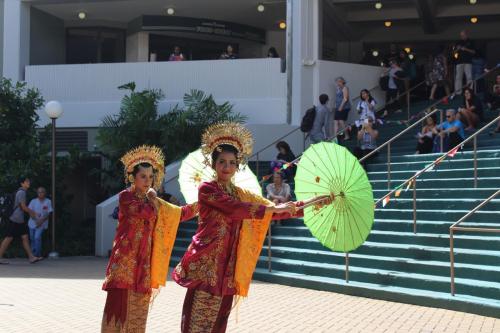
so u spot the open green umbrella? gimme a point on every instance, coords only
(330, 169)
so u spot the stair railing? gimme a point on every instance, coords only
(456, 227)
(412, 180)
(432, 107)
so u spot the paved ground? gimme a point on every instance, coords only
(65, 296)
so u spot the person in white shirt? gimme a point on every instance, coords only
(278, 191)
(42, 207)
(365, 108)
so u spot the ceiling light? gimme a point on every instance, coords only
(472, 2)
(170, 11)
(378, 5)
(261, 7)
(411, 56)
(375, 53)
(282, 25)
(387, 23)
(82, 15)
(473, 19)
(407, 50)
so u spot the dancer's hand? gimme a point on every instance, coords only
(288, 207)
(151, 194)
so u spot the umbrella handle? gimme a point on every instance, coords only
(315, 202)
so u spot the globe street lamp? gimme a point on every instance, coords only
(54, 110)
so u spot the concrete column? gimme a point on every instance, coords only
(138, 47)
(306, 34)
(16, 38)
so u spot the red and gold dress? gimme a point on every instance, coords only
(222, 256)
(139, 259)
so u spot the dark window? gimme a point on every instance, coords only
(95, 45)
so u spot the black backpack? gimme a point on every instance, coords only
(308, 120)
(6, 206)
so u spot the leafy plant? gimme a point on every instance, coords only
(177, 132)
(25, 151)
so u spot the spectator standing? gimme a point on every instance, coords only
(439, 74)
(365, 108)
(17, 225)
(177, 55)
(42, 208)
(317, 133)
(452, 131)
(342, 107)
(395, 87)
(229, 53)
(472, 110)
(367, 140)
(463, 52)
(426, 136)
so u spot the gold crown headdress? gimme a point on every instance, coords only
(233, 134)
(145, 154)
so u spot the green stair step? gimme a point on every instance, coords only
(460, 302)
(427, 214)
(390, 263)
(473, 287)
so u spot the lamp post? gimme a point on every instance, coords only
(54, 110)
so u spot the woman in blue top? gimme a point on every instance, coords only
(342, 107)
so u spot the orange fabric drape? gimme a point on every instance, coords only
(252, 235)
(163, 242)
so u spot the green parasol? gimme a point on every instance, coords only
(194, 171)
(329, 169)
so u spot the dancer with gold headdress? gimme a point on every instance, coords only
(144, 239)
(220, 261)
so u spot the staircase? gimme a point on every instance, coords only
(394, 263)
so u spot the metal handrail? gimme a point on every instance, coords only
(432, 106)
(455, 227)
(412, 179)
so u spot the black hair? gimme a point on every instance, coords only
(472, 96)
(144, 165)
(370, 98)
(223, 148)
(284, 145)
(323, 98)
(22, 179)
(273, 52)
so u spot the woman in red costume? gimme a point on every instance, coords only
(232, 225)
(143, 243)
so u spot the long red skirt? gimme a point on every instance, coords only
(125, 311)
(205, 313)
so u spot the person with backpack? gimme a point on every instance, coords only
(317, 132)
(17, 225)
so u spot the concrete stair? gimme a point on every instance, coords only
(394, 263)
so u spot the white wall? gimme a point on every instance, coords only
(256, 87)
(16, 38)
